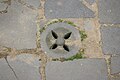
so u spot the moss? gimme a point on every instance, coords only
(60, 20)
(55, 59)
(109, 61)
(71, 23)
(41, 30)
(79, 55)
(9, 49)
(83, 35)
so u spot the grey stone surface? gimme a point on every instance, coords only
(29, 59)
(109, 11)
(32, 3)
(23, 70)
(84, 69)
(18, 27)
(110, 39)
(116, 78)
(88, 25)
(5, 71)
(90, 1)
(66, 9)
(2, 6)
(115, 64)
(3, 0)
(47, 40)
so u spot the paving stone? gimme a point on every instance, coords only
(90, 1)
(33, 3)
(115, 65)
(22, 68)
(116, 78)
(109, 11)
(84, 69)
(3, 0)
(29, 59)
(110, 39)
(2, 6)
(66, 9)
(5, 71)
(18, 27)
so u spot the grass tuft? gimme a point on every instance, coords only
(83, 35)
(79, 55)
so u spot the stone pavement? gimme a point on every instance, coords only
(22, 23)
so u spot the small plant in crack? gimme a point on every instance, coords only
(71, 23)
(60, 20)
(60, 41)
(83, 35)
(79, 55)
(41, 30)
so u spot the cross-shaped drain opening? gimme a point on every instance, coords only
(60, 40)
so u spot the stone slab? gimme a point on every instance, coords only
(66, 9)
(109, 11)
(110, 39)
(115, 65)
(90, 1)
(27, 58)
(18, 27)
(84, 69)
(5, 71)
(3, 6)
(25, 69)
(32, 3)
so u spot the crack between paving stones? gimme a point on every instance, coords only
(43, 56)
(13, 52)
(108, 62)
(43, 65)
(11, 68)
(116, 74)
(109, 24)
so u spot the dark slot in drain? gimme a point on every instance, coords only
(60, 41)
(66, 48)
(67, 35)
(54, 34)
(54, 46)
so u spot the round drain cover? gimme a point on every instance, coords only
(57, 40)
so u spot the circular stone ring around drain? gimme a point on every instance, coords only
(60, 39)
